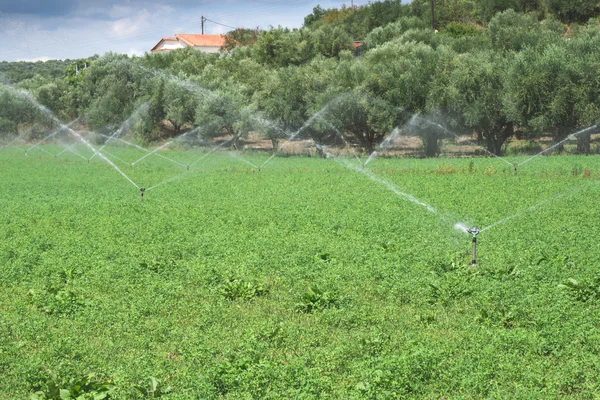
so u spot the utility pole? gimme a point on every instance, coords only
(433, 14)
(203, 20)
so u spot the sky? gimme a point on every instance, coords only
(39, 30)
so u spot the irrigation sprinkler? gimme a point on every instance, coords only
(142, 191)
(516, 168)
(474, 232)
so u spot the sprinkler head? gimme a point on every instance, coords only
(474, 231)
(188, 167)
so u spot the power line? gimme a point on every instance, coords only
(215, 22)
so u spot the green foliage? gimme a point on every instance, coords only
(7, 127)
(317, 299)
(361, 283)
(239, 37)
(58, 297)
(78, 388)
(582, 291)
(460, 30)
(238, 289)
(153, 389)
(571, 11)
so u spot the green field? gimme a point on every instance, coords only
(304, 280)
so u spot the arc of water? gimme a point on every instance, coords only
(107, 160)
(46, 111)
(19, 137)
(386, 142)
(54, 133)
(168, 181)
(371, 158)
(49, 113)
(458, 137)
(299, 131)
(116, 157)
(191, 165)
(242, 159)
(71, 150)
(390, 186)
(537, 205)
(124, 125)
(166, 144)
(571, 136)
(339, 134)
(141, 148)
(210, 152)
(42, 150)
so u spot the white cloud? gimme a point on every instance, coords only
(131, 25)
(135, 52)
(36, 59)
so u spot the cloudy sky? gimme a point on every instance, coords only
(58, 29)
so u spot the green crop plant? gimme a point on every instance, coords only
(306, 280)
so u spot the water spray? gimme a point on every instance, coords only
(142, 191)
(474, 232)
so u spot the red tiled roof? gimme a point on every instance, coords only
(195, 40)
(357, 44)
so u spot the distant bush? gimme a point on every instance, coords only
(528, 147)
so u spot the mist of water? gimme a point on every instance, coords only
(571, 136)
(50, 115)
(167, 144)
(139, 112)
(390, 186)
(417, 117)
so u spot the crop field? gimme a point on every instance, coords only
(310, 278)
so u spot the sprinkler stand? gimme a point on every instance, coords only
(516, 167)
(474, 232)
(142, 191)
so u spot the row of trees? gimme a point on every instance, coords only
(515, 75)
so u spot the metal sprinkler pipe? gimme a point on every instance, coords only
(142, 191)
(474, 232)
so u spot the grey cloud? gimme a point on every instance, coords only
(68, 7)
(38, 7)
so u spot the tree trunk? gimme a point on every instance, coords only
(320, 152)
(560, 135)
(584, 143)
(275, 143)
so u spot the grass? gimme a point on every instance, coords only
(306, 280)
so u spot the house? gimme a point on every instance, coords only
(204, 43)
(357, 46)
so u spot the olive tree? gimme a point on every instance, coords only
(469, 89)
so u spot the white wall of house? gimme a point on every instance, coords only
(211, 50)
(169, 45)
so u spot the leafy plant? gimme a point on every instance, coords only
(316, 299)
(238, 289)
(153, 389)
(582, 291)
(78, 388)
(56, 299)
